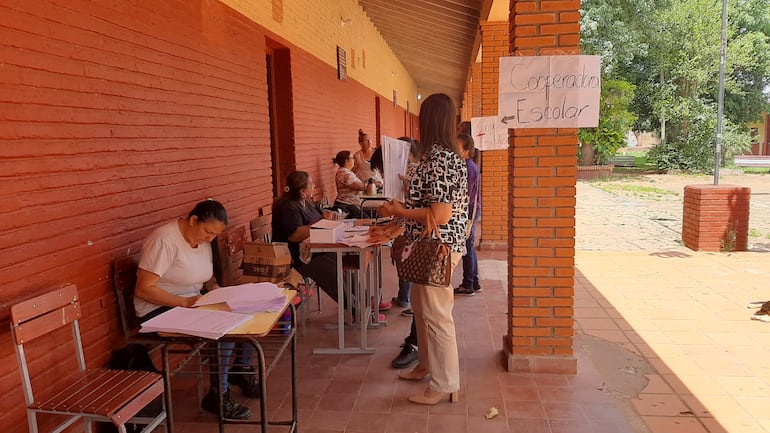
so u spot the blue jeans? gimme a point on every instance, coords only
(470, 263)
(404, 291)
(245, 352)
(244, 357)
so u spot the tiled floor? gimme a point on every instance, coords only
(664, 344)
(686, 315)
(361, 393)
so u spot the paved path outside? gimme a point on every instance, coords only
(645, 212)
(683, 312)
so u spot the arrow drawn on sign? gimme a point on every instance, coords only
(505, 119)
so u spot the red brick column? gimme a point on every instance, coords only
(494, 163)
(472, 95)
(716, 217)
(542, 207)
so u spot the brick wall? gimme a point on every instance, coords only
(118, 116)
(393, 119)
(315, 26)
(494, 163)
(542, 208)
(716, 217)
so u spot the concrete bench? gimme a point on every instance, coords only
(623, 161)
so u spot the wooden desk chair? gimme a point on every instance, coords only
(98, 395)
(124, 271)
(261, 229)
(227, 249)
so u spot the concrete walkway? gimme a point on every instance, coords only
(680, 315)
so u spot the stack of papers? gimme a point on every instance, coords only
(247, 298)
(200, 323)
(360, 239)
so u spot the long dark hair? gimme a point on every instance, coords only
(437, 123)
(209, 210)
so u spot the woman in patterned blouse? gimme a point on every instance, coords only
(440, 186)
(349, 186)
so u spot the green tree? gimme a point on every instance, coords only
(615, 30)
(670, 51)
(615, 120)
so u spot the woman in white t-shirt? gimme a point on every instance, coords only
(175, 265)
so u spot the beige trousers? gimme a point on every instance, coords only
(436, 337)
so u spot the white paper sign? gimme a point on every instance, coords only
(550, 91)
(489, 133)
(395, 157)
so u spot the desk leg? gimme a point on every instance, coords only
(167, 385)
(218, 368)
(340, 304)
(262, 383)
(341, 349)
(374, 282)
(294, 403)
(364, 297)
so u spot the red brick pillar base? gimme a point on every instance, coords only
(716, 217)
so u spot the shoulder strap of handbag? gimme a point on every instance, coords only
(430, 225)
(475, 208)
(470, 222)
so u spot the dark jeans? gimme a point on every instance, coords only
(412, 337)
(404, 291)
(470, 263)
(323, 270)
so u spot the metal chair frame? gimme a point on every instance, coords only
(95, 395)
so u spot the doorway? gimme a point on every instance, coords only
(281, 112)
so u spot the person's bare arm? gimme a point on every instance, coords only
(442, 212)
(147, 289)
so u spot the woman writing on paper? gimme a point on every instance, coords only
(439, 186)
(175, 265)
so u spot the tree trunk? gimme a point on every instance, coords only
(587, 155)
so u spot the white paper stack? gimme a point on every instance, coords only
(247, 298)
(191, 321)
(360, 240)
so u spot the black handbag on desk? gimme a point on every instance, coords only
(426, 260)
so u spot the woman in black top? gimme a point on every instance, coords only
(293, 214)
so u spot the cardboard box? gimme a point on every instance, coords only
(292, 280)
(265, 262)
(327, 232)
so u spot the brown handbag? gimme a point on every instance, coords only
(426, 260)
